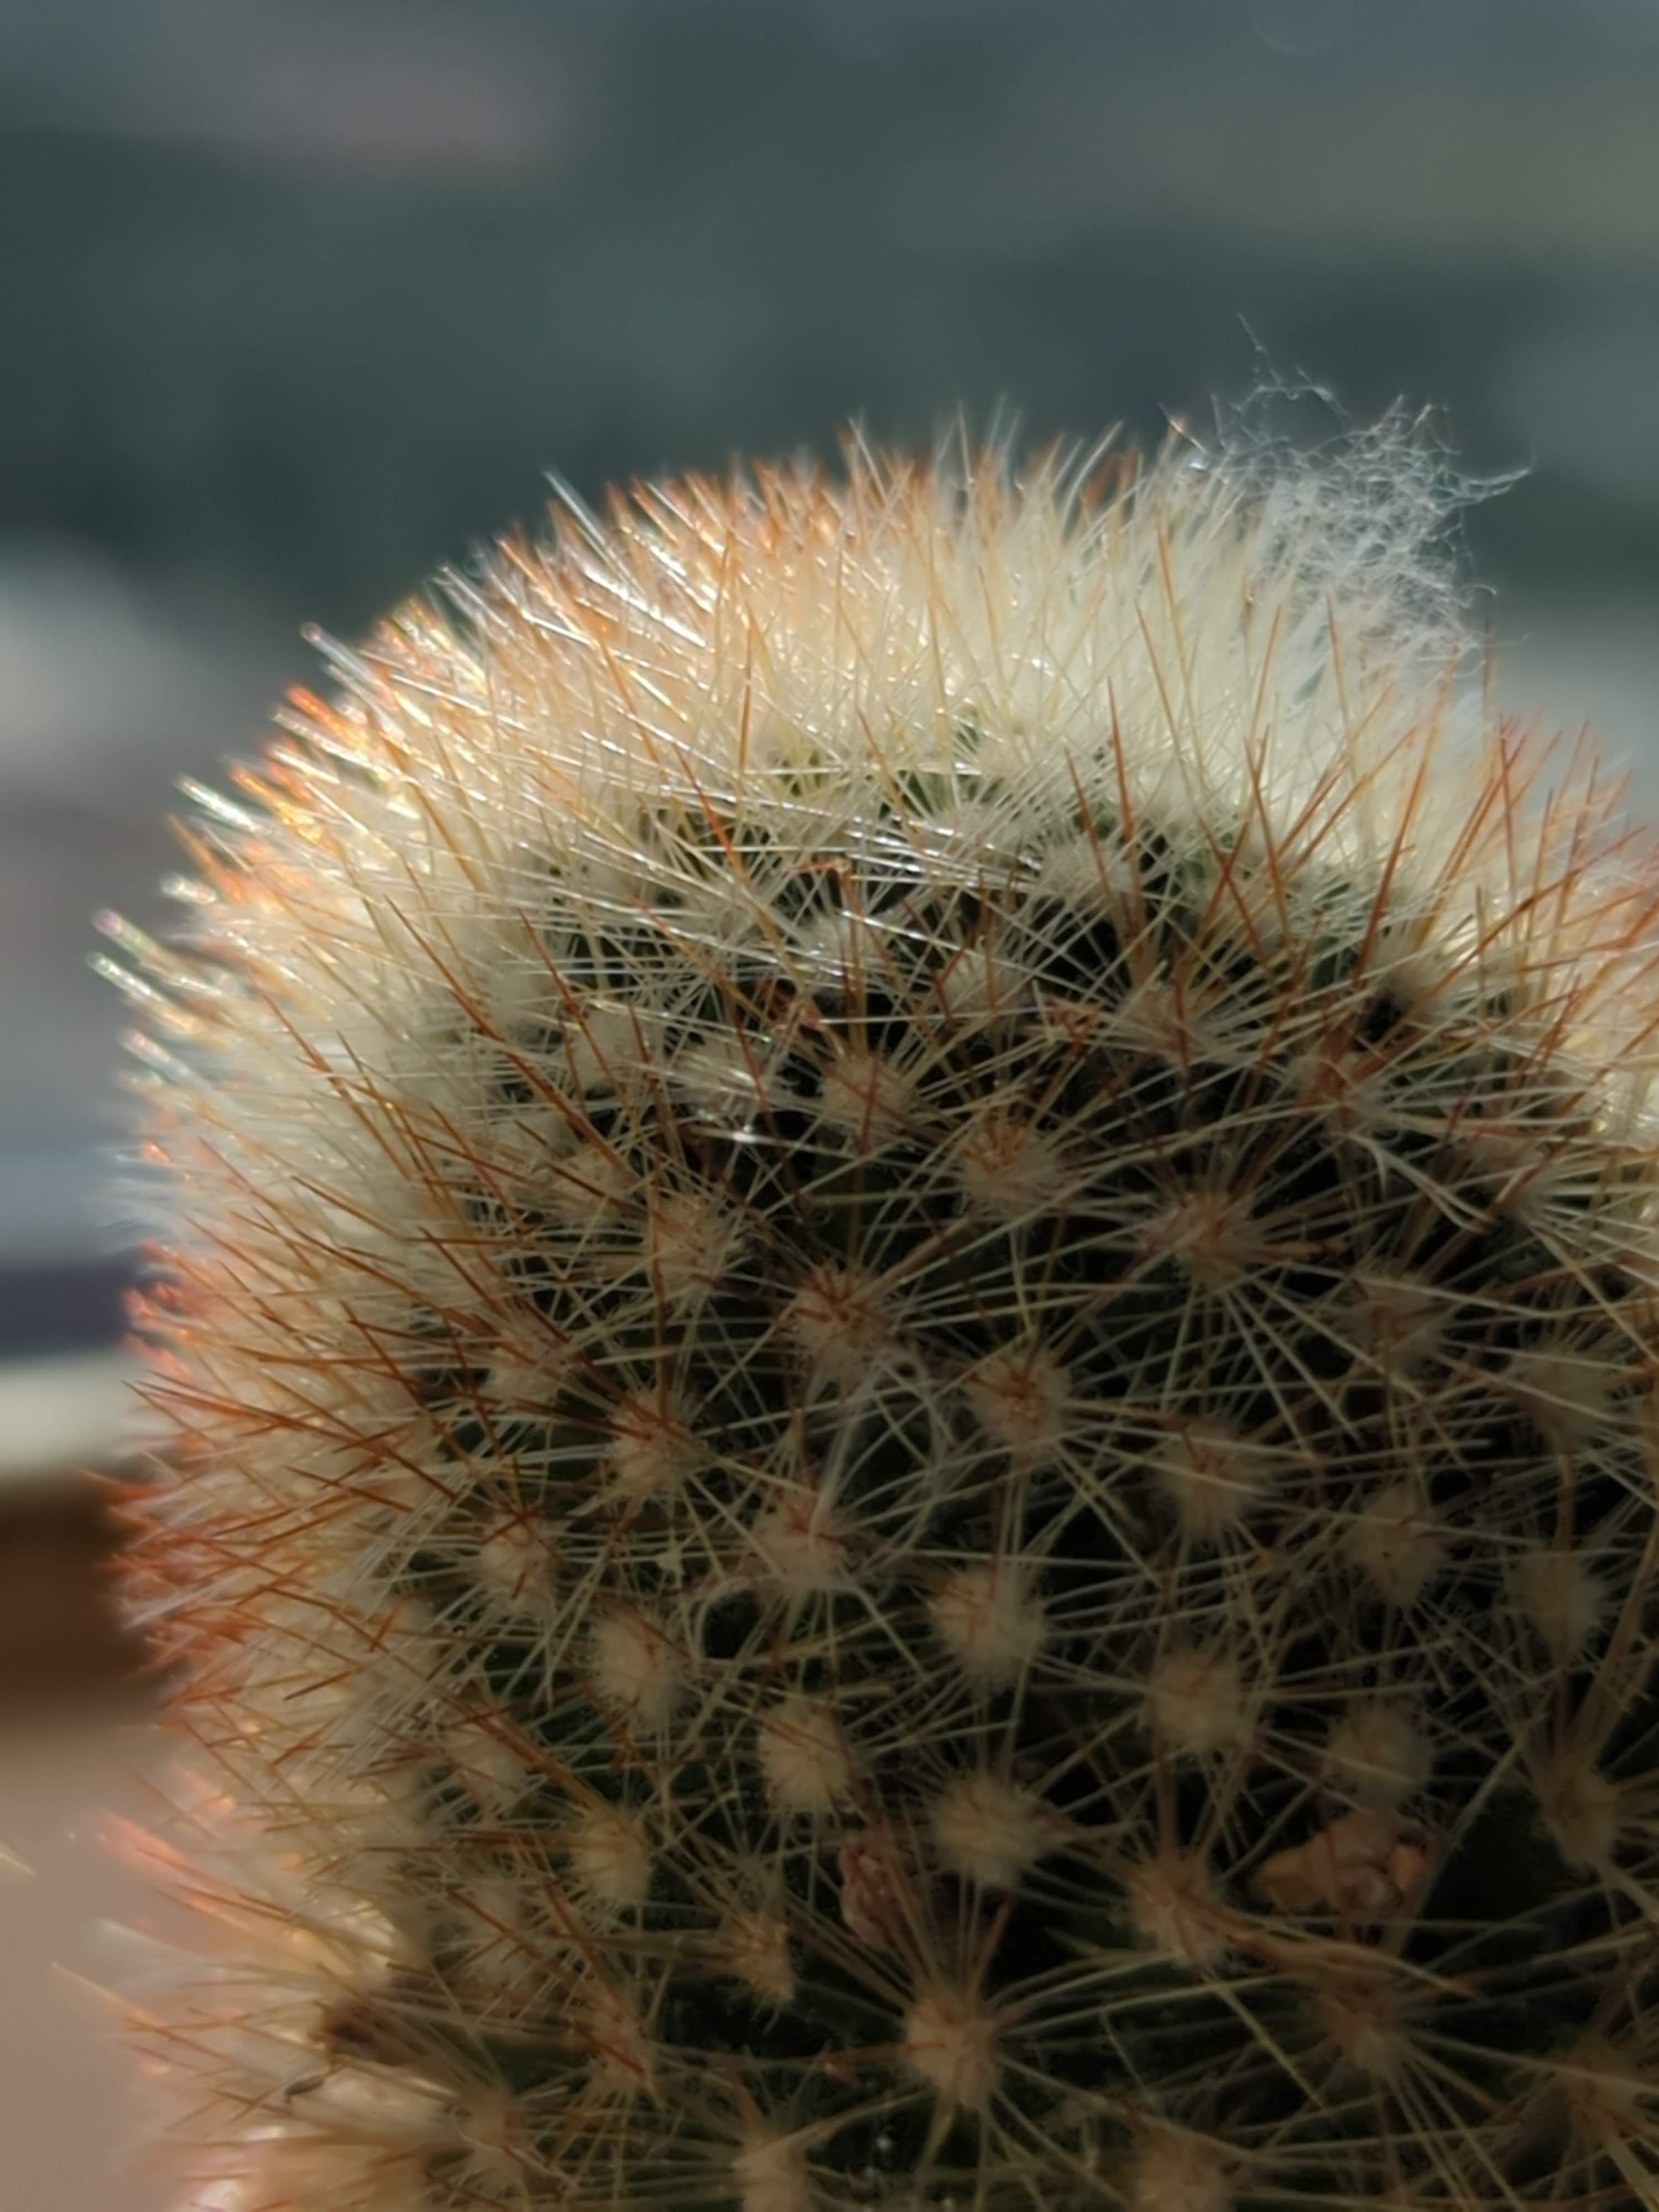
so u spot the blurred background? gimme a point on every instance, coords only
(302, 296)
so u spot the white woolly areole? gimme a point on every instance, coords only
(806, 1759)
(951, 2043)
(1020, 1396)
(991, 1618)
(513, 1556)
(609, 1857)
(990, 1831)
(1172, 2174)
(1397, 1540)
(753, 1947)
(1174, 1911)
(1213, 1475)
(637, 1665)
(1563, 1596)
(771, 2171)
(1380, 1752)
(800, 1544)
(1197, 1700)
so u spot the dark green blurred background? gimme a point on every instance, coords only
(301, 298)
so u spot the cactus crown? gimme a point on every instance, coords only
(909, 1339)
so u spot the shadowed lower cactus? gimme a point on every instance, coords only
(909, 1340)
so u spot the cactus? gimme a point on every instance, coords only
(908, 1339)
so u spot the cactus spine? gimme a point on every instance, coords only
(909, 1337)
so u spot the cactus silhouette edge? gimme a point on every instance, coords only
(906, 1343)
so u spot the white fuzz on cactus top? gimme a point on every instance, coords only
(909, 1326)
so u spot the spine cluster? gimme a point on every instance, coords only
(909, 1337)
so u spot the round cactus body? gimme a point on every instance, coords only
(909, 1334)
